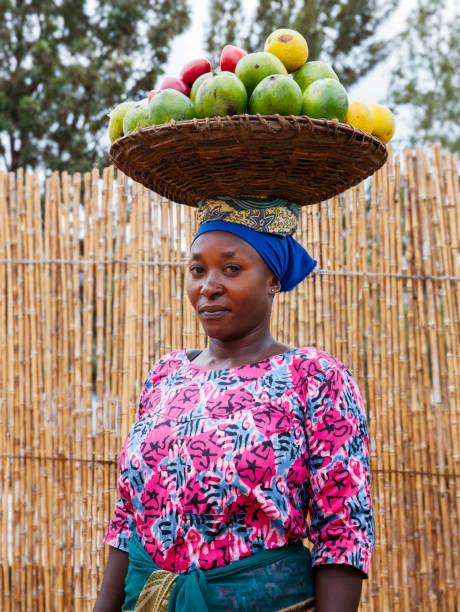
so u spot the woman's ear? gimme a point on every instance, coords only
(275, 285)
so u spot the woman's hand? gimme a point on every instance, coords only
(112, 592)
(338, 588)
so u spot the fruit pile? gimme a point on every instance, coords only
(276, 80)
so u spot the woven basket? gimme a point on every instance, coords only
(297, 158)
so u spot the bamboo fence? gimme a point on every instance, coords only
(92, 293)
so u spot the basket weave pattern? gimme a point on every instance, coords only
(297, 158)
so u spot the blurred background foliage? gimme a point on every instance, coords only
(65, 63)
(426, 79)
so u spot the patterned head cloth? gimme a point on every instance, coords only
(267, 225)
(268, 215)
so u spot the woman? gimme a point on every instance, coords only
(236, 446)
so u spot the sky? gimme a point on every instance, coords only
(373, 88)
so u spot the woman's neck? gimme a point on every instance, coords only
(253, 347)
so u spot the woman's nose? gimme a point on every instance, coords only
(211, 285)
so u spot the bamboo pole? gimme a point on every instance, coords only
(32, 529)
(325, 280)
(146, 336)
(387, 401)
(316, 248)
(21, 348)
(87, 350)
(136, 343)
(5, 436)
(157, 300)
(381, 438)
(302, 336)
(165, 310)
(400, 378)
(109, 418)
(15, 357)
(10, 392)
(413, 492)
(108, 182)
(339, 282)
(360, 264)
(119, 288)
(43, 434)
(171, 249)
(371, 590)
(176, 295)
(77, 411)
(375, 389)
(99, 419)
(188, 335)
(393, 353)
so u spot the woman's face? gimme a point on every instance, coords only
(229, 285)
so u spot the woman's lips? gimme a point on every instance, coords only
(213, 312)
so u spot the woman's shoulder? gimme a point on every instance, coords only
(319, 371)
(166, 365)
(314, 359)
(162, 371)
(327, 381)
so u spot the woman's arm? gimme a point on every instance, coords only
(338, 588)
(342, 521)
(112, 592)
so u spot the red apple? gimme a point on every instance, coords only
(177, 84)
(230, 56)
(152, 93)
(193, 69)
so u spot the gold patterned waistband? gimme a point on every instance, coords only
(154, 597)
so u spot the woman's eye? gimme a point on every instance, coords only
(233, 269)
(196, 270)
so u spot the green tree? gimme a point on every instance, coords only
(65, 63)
(426, 80)
(342, 32)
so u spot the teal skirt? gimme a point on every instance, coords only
(265, 582)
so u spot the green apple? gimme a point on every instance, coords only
(277, 93)
(116, 119)
(136, 116)
(253, 68)
(196, 85)
(325, 99)
(221, 94)
(170, 104)
(312, 71)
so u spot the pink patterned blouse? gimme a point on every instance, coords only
(221, 464)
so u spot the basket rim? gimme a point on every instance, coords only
(328, 136)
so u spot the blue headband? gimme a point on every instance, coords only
(285, 257)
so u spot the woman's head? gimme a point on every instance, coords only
(229, 285)
(241, 256)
